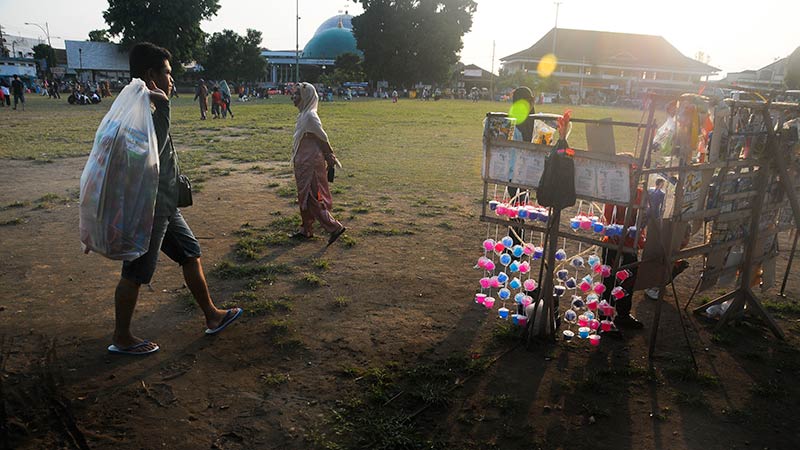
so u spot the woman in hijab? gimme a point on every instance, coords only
(226, 97)
(312, 155)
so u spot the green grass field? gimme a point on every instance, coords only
(411, 144)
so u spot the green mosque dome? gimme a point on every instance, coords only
(330, 43)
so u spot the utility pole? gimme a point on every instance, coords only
(491, 77)
(297, 43)
(555, 29)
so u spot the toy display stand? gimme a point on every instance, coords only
(602, 177)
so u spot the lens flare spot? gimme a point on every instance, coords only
(520, 110)
(547, 65)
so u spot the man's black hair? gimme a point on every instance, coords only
(145, 55)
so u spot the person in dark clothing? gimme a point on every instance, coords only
(170, 232)
(18, 91)
(523, 131)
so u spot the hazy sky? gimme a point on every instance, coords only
(736, 35)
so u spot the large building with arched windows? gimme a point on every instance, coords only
(334, 37)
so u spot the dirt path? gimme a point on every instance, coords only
(397, 298)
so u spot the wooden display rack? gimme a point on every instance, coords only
(519, 164)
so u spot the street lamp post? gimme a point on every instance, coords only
(297, 43)
(45, 29)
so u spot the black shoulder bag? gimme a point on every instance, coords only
(184, 185)
(557, 185)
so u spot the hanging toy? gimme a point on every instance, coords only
(593, 261)
(594, 324)
(519, 297)
(589, 315)
(538, 252)
(618, 292)
(505, 259)
(517, 251)
(514, 266)
(499, 247)
(501, 209)
(584, 285)
(502, 277)
(495, 282)
(529, 285)
(527, 301)
(598, 227)
(568, 335)
(583, 332)
(561, 255)
(525, 267)
(562, 274)
(493, 204)
(594, 340)
(507, 241)
(559, 290)
(575, 223)
(591, 303)
(482, 262)
(599, 288)
(577, 303)
(605, 271)
(488, 245)
(489, 265)
(571, 283)
(623, 275)
(522, 320)
(570, 316)
(586, 223)
(480, 298)
(485, 282)
(583, 320)
(528, 249)
(515, 283)
(503, 312)
(489, 302)
(504, 294)
(577, 262)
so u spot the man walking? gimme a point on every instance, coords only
(170, 232)
(202, 94)
(18, 90)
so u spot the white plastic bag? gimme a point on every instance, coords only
(120, 181)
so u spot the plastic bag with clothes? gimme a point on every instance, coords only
(664, 136)
(120, 180)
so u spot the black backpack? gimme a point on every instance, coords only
(557, 185)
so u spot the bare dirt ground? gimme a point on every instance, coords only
(372, 343)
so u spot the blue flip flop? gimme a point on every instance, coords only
(230, 316)
(132, 349)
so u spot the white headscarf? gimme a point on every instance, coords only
(308, 120)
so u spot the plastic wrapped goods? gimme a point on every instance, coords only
(120, 180)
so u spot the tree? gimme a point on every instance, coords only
(44, 51)
(231, 56)
(792, 77)
(172, 24)
(406, 41)
(99, 36)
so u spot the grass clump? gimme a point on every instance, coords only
(229, 271)
(275, 379)
(287, 191)
(311, 280)
(341, 301)
(319, 263)
(16, 204)
(11, 222)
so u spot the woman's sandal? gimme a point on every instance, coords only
(299, 235)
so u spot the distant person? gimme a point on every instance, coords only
(216, 103)
(655, 201)
(6, 92)
(225, 90)
(201, 93)
(170, 232)
(394, 96)
(18, 90)
(2, 96)
(312, 157)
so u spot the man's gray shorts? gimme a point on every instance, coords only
(172, 235)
